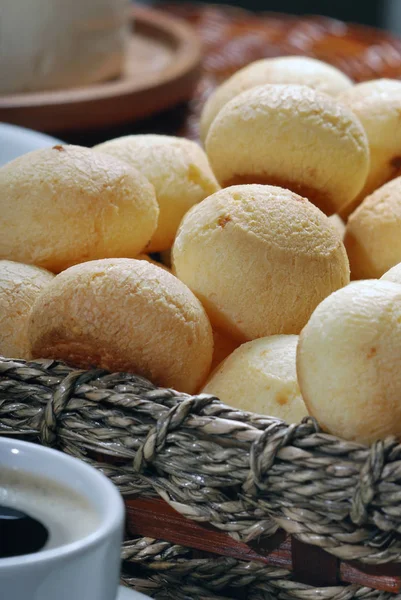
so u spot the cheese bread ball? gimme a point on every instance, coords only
(223, 346)
(165, 258)
(373, 233)
(348, 362)
(20, 285)
(260, 259)
(179, 171)
(124, 315)
(65, 205)
(338, 225)
(294, 137)
(300, 70)
(261, 377)
(153, 262)
(393, 274)
(377, 104)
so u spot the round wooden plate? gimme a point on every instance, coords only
(162, 69)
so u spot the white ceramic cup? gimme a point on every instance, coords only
(54, 44)
(87, 569)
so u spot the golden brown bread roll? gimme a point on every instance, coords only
(124, 315)
(153, 262)
(20, 285)
(177, 168)
(377, 104)
(260, 259)
(338, 225)
(165, 258)
(373, 233)
(261, 377)
(301, 70)
(393, 274)
(348, 362)
(223, 347)
(65, 205)
(294, 137)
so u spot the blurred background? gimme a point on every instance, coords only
(379, 13)
(165, 85)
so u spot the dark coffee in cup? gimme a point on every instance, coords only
(37, 513)
(19, 533)
(79, 518)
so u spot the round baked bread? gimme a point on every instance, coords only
(338, 225)
(20, 285)
(177, 168)
(301, 70)
(124, 315)
(65, 205)
(165, 258)
(393, 274)
(348, 362)
(223, 346)
(377, 104)
(373, 233)
(261, 377)
(294, 137)
(153, 262)
(260, 259)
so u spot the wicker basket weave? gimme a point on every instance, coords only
(245, 474)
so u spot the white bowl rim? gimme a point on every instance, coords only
(34, 133)
(111, 522)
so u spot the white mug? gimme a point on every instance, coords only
(86, 569)
(54, 44)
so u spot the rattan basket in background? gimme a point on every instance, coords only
(233, 37)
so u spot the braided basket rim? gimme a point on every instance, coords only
(246, 474)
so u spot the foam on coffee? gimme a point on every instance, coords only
(67, 515)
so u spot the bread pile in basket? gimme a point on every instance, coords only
(296, 193)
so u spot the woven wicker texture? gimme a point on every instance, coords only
(245, 474)
(165, 570)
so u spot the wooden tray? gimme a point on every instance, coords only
(154, 518)
(163, 67)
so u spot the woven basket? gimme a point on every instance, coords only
(253, 480)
